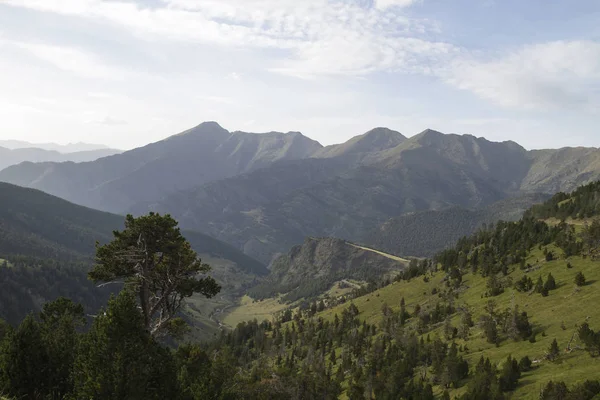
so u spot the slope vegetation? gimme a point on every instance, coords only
(47, 246)
(425, 233)
(519, 294)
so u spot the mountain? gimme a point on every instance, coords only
(362, 146)
(423, 234)
(265, 193)
(268, 210)
(61, 148)
(10, 157)
(200, 155)
(429, 171)
(561, 170)
(48, 245)
(311, 268)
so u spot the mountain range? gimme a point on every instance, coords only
(10, 157)
(264, 193)
(61, 148)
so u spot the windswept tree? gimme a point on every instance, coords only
(156, 263)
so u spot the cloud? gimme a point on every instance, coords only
(313, 37)
(383, 4)
(72, 60)
(547, 76)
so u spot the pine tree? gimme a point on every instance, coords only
(580, 279)
(22, 361)
(510, 374)
(119, 359)
(539, 285)
(159, 266)
(550, 282)
(553, 351)
(61, 321)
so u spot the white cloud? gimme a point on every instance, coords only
(383, 4)
(72, 60)
(554, 75)
(317, 36)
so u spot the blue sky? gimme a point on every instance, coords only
(125, 72)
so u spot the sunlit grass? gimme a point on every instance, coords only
(566, 307)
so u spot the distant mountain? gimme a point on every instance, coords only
(311, 268)
(48, 245)
(423, 234)
(10, 157)
(200, 155)
(363, 146)
(266, 211)
(264, 193)
(61, 148)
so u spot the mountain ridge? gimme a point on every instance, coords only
(263, 193)
(9, 157)
(147, 173)
(61, 148)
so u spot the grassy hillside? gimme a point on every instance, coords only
(553, 317)
(518, 289)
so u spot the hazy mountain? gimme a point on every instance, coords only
(561, 170)
(34, 223)
(264, 193)
(10, 157)
(363, 146)
(61, 148)
(423, 234)
(267, 211)
(346, 198)
(311, 268)
(203, 154)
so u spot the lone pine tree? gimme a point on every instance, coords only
(154, 261)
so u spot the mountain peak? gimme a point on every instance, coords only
(208, 128)
(208, 125)
(385, 132)
(430, 133)
(375, 140)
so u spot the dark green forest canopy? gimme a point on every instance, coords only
(584, 202)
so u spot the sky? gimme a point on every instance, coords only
(128, 72)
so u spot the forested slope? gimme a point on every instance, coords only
(47, 246)
(507, 312)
